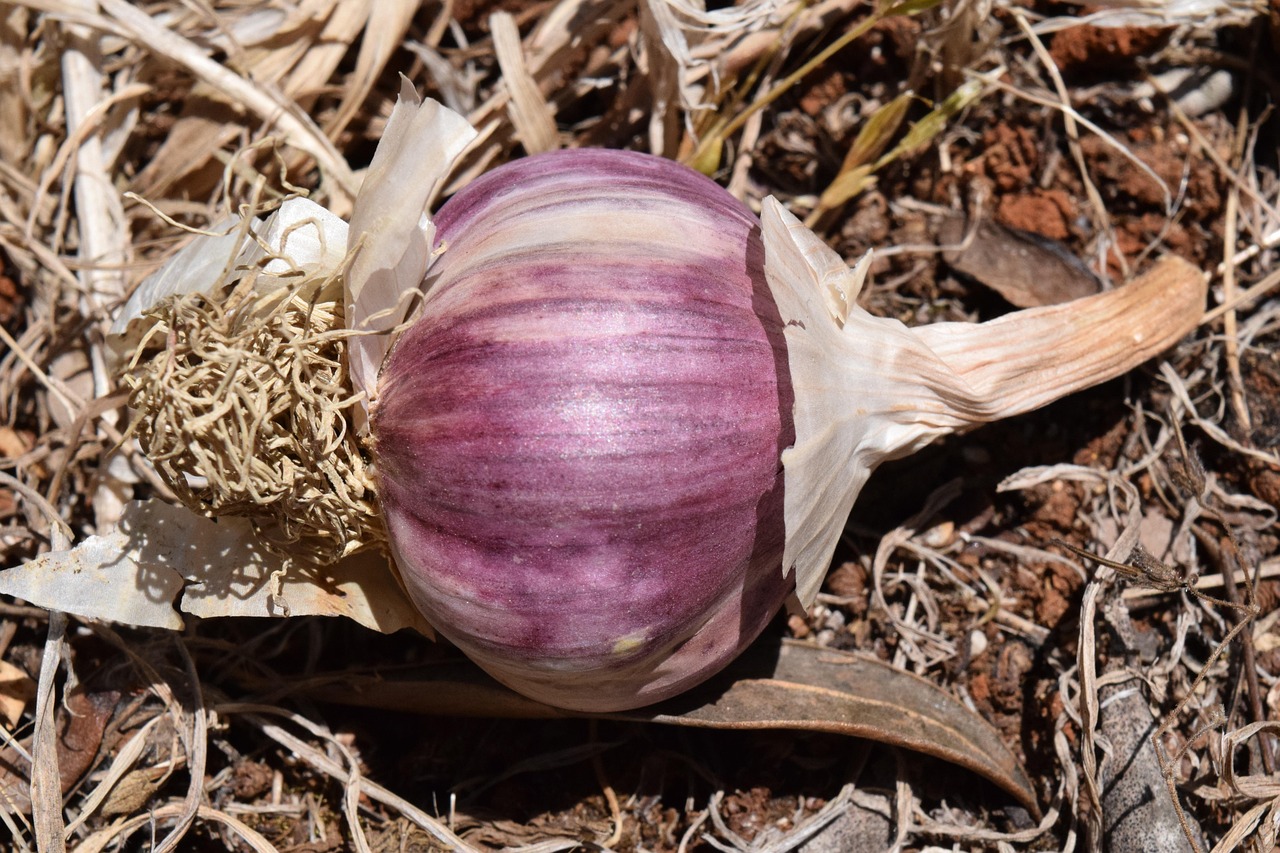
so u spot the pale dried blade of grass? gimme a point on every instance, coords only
(99, 211)
(323, 763)
(550, 49)
(14, 113)
(304, 49)
(103, 245)
(923, 646)
(385, 28)
(46, 782)
(1230, 327)
(1073, 135)
(119, 831)
(662, 70)
(1087, 663)
(1213, 430)
(267, 103)
(1243, 829)
(529, 111)
(195, 741)
(343, 23)
(1210, 15)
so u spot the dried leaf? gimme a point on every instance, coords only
(772, 686)
(80, 723)
(1026, 269)
(163, 559)
(530, 113)
(859, 164)
(385, 26)
(936, 119)
(16, 690)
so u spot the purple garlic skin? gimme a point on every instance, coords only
(578, 442)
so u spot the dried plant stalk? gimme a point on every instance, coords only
(242, 402)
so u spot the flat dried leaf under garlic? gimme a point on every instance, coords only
(869, 389)
(390, 234)
(163, 561)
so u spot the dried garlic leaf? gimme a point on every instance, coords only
(390, 232)
(163, 559)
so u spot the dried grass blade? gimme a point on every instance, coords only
(325, 764)
(385, 26)
(195, 740)
(872, 140)
(657, 29)
(99, 211)
(530, 113)
(269, 105)
(100, 840)
(46, 782)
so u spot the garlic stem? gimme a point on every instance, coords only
(1030, 358)
(869, 389)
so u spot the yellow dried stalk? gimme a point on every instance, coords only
(242, 402)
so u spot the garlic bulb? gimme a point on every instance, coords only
(628, 421)
(578, 442)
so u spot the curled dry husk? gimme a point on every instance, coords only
(866, 389)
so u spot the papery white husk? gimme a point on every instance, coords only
(869, 389)
(301, 239)
(391, 235)
(163, 561)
